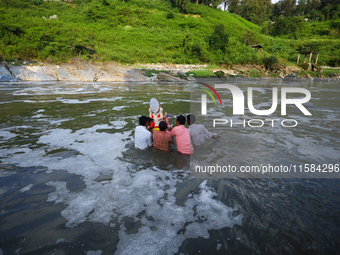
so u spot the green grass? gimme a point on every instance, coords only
(201, 73)
(313, 74)
(255, 74)
(150, 72)
(139, 31)
(327, 71)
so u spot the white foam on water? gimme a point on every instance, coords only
(73, 101)
(219, 246)
(185, 100)
(118, 124)
(57, 122)
(86, 101)
(145, 196)
(118, 108)
(27, 188)
(100, 111)
(61, 240)
(97, 252)
(6, 135)
(70, 89)
(38, 116)
(261, 90)
(169, 218)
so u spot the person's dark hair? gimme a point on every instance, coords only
(181, 119)
(191, 118)
(150, 119)
(143, 120)
(162, 125)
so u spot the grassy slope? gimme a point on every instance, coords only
(138, 31)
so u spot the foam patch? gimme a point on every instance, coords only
(146, 196)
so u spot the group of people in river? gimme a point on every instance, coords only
(155, 131)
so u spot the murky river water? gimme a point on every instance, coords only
(71, 181)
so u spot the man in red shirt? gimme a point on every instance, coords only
(182, 135)
(162, 138)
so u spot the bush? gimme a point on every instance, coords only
(249, 38)
(36, 2)
(170, 15)
(219, 39)
(270, 62)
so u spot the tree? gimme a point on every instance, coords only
(288, 7)
(226, 4)
(270, 62)
(219, 39)
(312, 5)
(234, 6)
(285, 25)
(277, 9)
(256, 11)
(327, 11)
(300, 8)
(183, 4)
(212, 3)
(280, 27)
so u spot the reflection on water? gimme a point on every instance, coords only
(71, 181)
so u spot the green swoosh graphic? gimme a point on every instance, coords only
(209, 94)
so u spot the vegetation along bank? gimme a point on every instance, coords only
(195, 32)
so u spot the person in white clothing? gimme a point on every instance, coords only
(197, 131)
(143, 137)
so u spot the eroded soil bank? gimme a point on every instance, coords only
(81, 70)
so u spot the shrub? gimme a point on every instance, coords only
(249, 38)
(170, 15)
(219, 39)
(36, 2)
(270, 62)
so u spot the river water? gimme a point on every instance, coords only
(71, 181)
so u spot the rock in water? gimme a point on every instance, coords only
(28, 75)
(5, 75)
(221, 74)
(15, 70)
(292, 76)
(182, 75)
(167, 77)
(71, 73)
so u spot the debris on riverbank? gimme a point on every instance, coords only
(81, 70)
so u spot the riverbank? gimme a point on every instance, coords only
(81, 70)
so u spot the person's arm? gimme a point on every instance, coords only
(171, 139)
(210, 135)
(161, 112)
(173, 132)
(150, 143)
